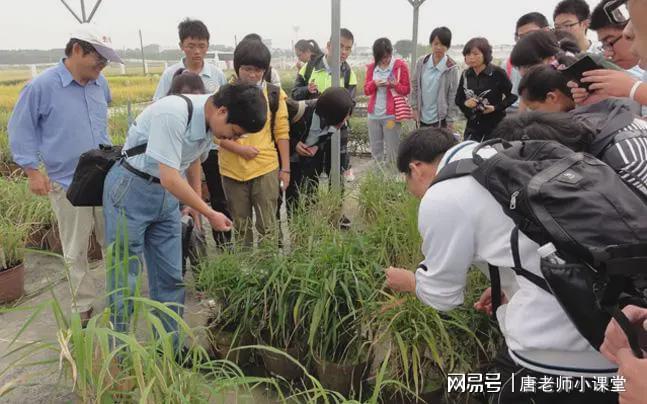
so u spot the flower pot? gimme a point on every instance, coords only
(222, 342)
(279, 365)
(12, 283)
(342, 378)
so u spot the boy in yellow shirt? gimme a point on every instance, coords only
(254, 166)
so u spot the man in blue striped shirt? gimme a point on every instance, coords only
(59, 115)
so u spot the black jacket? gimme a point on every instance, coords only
(496, 80)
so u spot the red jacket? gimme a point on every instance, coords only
(403, 87)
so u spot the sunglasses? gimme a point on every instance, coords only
(617, 11)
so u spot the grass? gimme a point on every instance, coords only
(327, 294)
(12, 243)
(21, 207)
(123, 88)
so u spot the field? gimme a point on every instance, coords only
(311, 323)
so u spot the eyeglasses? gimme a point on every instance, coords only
(617, 11)
(567, 26)
(201, 47)
(608, 45)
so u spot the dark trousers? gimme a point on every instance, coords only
(510, 394)
(440, 124)
(305, 172)
(217, 197)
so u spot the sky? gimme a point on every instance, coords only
(46, 24)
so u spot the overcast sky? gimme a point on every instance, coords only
(46, 24)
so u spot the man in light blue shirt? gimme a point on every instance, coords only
(59, 115)
(147, 189)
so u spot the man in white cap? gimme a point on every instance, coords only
(59, 115)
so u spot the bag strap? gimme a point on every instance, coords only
(629, 330)
(495, 287)
(273, 94)
(455, 169)
(140, 149)
(518, 269)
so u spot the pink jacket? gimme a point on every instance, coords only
(403, 87)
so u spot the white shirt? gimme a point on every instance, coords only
(461, 224)
(212, 78)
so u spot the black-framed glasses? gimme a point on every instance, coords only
(608, 45)
(617, 11)
(567, 26)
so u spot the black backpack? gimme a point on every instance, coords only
(597, 223)
(296, 109)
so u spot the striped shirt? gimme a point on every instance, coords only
(628, 155)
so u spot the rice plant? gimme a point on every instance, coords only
(12, 243)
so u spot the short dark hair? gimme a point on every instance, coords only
(536, 18)
(426, 145)
(345, 33)
(600, 19)
(533, 48)
(86, 47)
(334, 105)
(481, 44)
(556, 126)
(540, 80)
(185, 79)
(567, 41)
(443, 34)
(253, 35)
(579, 8)
(245, 103)
(252, 52)
(305, 45)
(381, 48)
(189, 28)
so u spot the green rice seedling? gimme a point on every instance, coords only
(140, 365)
(12, 243)
(20, 206)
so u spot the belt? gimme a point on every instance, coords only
(138, 173)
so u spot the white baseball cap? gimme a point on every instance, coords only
(91, 34)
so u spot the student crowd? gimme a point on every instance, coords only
(253, 143)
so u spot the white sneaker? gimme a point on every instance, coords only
(349, 176)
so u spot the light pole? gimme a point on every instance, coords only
(84, 17)
(335, 63)
(414, 46)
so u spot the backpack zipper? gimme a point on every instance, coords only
(513, 200)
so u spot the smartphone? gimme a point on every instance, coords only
(576, 70)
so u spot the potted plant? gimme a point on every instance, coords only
(12, 270)
(21, 206)
(340, 332)
(236, 291)
(284, 315)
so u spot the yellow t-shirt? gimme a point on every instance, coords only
(236, 167)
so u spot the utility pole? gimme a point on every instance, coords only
(84, 18)
(141, 45)
(416, 8)
(335, 63)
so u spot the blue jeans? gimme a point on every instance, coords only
(147, 216)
